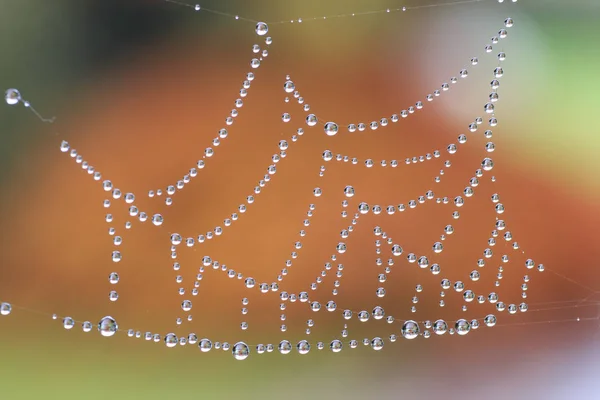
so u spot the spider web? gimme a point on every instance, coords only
(396, 253)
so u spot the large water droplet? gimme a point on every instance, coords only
(107, 326)
(410, 329)
(261, 29)
(171, 340)
(240, 351)
(5, 308)
(331, 128)
(12, 97)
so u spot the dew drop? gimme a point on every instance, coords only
(86, 326)
(205, 345)
(107, 326)
(261, 29)
(377, 343)
(12, 97)
(410, 329)
(5, 308)
(289, 86)
(157, 219)
(285, 347)
(336, 346)
(240, 351)
(331, 128)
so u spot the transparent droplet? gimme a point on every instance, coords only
(289, 86)
(107, 326)
(157, 219)
(5, 308)
(171, 340)
(462, 327)
(410, 329)
(336, 346)
(487, 164)
(349, 191)
(12, 96)
(240, 351)
(86, 326)
(490, 320)
(186, 305)
(377, 343)
(440, 327)
(331, 128)
(285, 347)
(303, 347)
(261, 29)
(205, 345)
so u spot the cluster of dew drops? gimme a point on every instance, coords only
(108, 326)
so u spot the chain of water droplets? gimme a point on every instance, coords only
(330, 128)
(199, 8)
(410, 329)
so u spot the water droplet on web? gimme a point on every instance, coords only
(289, 86)
(107, 326)
(157, 219)
(462, 327)
(12, 96)
(205, 345)
(303, 347)
(487, 164)
(113, 278)
(171, 340)
(285, 347)
(349, 191)
(240, 351)
(490, 320)
(68, 323)
(261, 29)
(186, 305)
(86, 326)
(410, 329)
(64, 146)
(5, 308)
(331, 128)
(336, 346)
(377, 343)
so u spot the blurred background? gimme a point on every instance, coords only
(140, 88)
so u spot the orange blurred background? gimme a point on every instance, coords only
(144, 120)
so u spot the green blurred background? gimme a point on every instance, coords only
(140, 88)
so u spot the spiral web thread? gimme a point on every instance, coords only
(384, 244)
